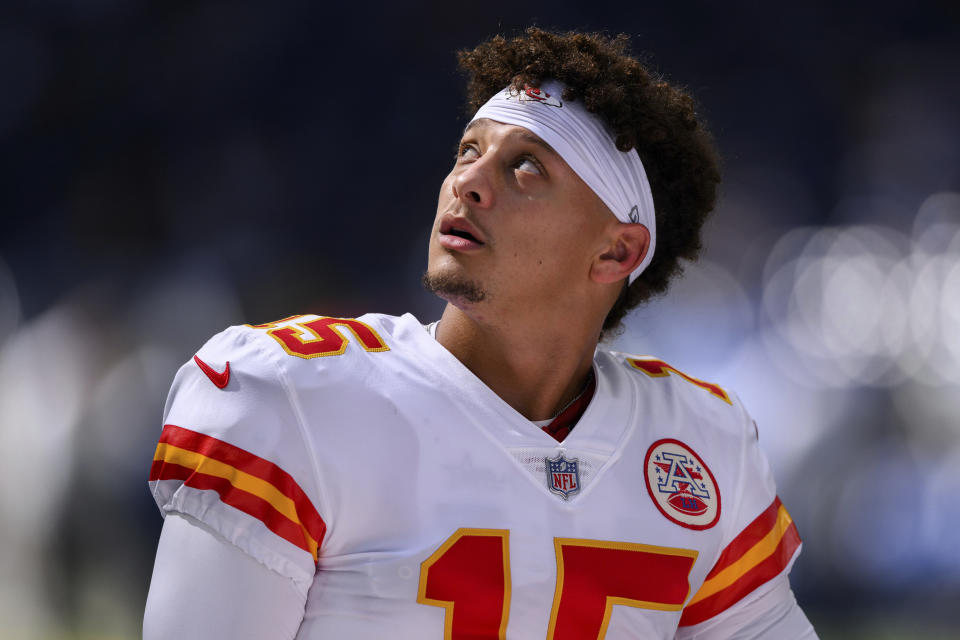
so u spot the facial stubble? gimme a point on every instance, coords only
(452, 288)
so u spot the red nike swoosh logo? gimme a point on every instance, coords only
(216, 377)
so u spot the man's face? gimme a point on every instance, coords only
(515, 225)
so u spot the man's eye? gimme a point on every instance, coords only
(528, 165)
(467, 152)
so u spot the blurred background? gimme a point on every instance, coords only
(171, 168)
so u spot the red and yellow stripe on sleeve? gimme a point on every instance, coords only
(760, 552)
(244, 481)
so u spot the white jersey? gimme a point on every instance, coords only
(362, 460)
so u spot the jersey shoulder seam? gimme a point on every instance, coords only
(273, 357)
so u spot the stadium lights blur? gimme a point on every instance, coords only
(862, 306)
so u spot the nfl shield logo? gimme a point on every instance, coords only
(563, 477)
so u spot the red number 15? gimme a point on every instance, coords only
(469, 575)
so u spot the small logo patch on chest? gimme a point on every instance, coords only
(681, 485)
(563, 476)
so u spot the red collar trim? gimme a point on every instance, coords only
(561, 426)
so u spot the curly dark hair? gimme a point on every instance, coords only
(643, 111)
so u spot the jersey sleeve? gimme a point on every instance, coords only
(204, 587)
(761, 539)
(772, 614)
(231, 455)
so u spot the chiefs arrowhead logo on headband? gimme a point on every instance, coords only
(533, 94)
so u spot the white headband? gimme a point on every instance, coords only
(582, 140)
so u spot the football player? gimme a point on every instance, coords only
(494, 474)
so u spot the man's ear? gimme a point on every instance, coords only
(628, 245)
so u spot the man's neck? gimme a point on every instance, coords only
(534, 369)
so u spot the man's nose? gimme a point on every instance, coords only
(475, 184)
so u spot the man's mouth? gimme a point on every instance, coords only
(458, 233)
(463, 234)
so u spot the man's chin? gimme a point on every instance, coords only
(454, 288)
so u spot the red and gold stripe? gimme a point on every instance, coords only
(660, 369)
(244, 481)
(760, 552)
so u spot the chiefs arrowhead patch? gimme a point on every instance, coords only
(681, 485)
